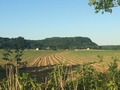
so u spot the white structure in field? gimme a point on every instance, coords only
(37, 49)
(88, 48)
(66, 49)
(48, 48)
(76, 49)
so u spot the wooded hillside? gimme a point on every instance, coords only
(52, 43)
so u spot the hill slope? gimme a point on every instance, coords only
(53, 43)
(69, 42)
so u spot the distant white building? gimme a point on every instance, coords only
(76, 49)
(48, 48)
(37, 49)
(66, 49)
(88, 48)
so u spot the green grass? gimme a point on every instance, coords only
(40, 53)
(91, 55)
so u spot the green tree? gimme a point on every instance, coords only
(20, 43)
(104, 5)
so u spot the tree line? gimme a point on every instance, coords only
(51, 43)
(110, 47)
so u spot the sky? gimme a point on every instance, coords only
(40, 19)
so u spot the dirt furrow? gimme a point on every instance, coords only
(32, 62)
(54, 59)
(50, 60)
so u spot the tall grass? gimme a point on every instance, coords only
(83, 77)
(62, 77)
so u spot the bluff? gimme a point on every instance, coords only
(69, 43)
(53, 43)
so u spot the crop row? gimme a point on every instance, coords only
(53, 59)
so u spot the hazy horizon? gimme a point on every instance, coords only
(42, 19)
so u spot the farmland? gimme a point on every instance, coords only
(49, 57)
(55, 69)
(70, 58)
(80, 57)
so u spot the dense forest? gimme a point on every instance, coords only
(48, 43)
(110, 47)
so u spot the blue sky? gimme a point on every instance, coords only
(39, 19)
